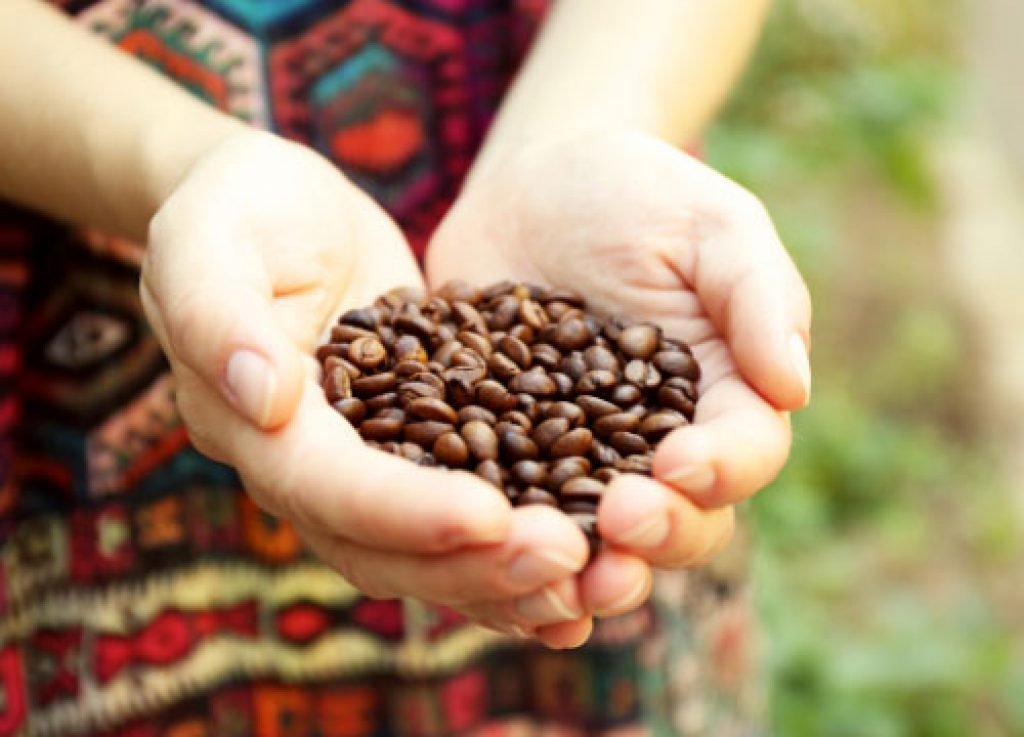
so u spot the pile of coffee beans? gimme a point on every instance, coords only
(515, 382)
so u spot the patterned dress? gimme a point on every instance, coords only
(142, 593)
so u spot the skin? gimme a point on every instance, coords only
(254, 245)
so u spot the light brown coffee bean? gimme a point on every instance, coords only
(530, 473)
(409, 348)
(476, 412)
(366, 318)
(481, 440)
(599, 357)
(517, 417)
(410, 451)
(504, 311)
(639, 341)
(382, 401)
(532, 314)
(605, 474)
(458, 290)
(451, 450)
(517, 447)
(337, 384)
(574, 365)
(573, 413)
(352, 409)
(546, 356)
(517, 350)
(367, 352)
(476, 342)
(572, 334)
(501, 366)
(430, 408)
(549, 431)
(626, 395)
(534, 382)
(563, 384)
(425, 433)
(494, 396)
(468, 317)
(381, 428)
(490, 471)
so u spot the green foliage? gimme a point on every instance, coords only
(876, 542)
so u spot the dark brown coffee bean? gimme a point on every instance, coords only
(348, 333)
(367, 352)
(350, 368)
(413, 323)
(409, 348)
(563, 384)
(438, 309)
(562, 294)
(546, 356)
(425, 433)
(549, 431)
(595, 406)
(517, 447)
(410, 451)
(481, 440)
(574, 365)
(502, 366)
(476, 342)
(467, 357)
(581, 487)
(599, 357)
(503, 426)
(639, 341)
(567, 468)
(518, 418)
(573, 413)
(331, 350)
(408, 369)
(409, 295)
(458, 290)
(427, 460)
(618, 422)
(430, 408)
(641, 464)
(517, 350)
(587, 522)
(534, 495)
(468, 317)
(391, 447)
(410, 390)
(498, 289)
(387, 336)
(572, 334)
(530, 473)
(371, 386)
(443, 355)
(382, 401)
(547, 334)
(628, 443)
(677, 363)
(574, 443)
(395, 413)
(556, 308)
(534, 382)
(626, 395)
(583, 505)
(381, 428)
(388, 304)
(523, 332)
(504, 311)
(451, 450)
(603, 454)
(494, 396)
(597, 380)
(490, 471)
(352, 409)
(475, 412)
(659, 424)
(433, 380)
(529, 406)
(366, 318)
(337, 384)
(605, 475)
(635, 371)
(637, 409)
(532, 314)
(459, 385)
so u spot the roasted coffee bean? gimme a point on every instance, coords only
(503, 367)
(596, 381)
(640, 464)
(407, 369)
(572, 334)
(517, 417)
(628, 443)
(475, 412)
(387, 336)
(626, 395)
(567, 468)
(382, 401)
(673, 398)
(425, 433)
(574, 443)
(381, 428)
(563, 384)
(429, 408)
(504, 311)
(433, 379)
(639, 341)
(534, 382)
(517, 350)
(523, 332)
(605, 474)
(367, 352)
(595, 406)
(659, 424)
(581, 487)
(352, 409)
(556, 308)
(547, 334)
(415, 324)
(599, 357)
(348, 333)
(451, 450)
(457, 290)
(532, 314)
(411, 390)
(517, 447)
(489, 470)
(331, 350)
(494, 396)
(409, 348)
(395, 413)
(467, 357)
(618, 422)
(481, 440)
(530, 473)
(437, 309)
(371, 386)
(498, 289)
(604, 455)
(574, 365)
(366, 318)
(503, 426)
(476, 342)
(572, 412)
(546, 355)
(587, 522)
(443, 355)
(535, 495)
(529, 406)
(549, 431)
(562, 294)
(468, 317)
(677, 363)
(337, 384)
(410, 451)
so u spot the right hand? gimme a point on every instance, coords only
(258, 248)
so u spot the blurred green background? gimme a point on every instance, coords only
(889, 558)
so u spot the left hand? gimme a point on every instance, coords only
(643, 229)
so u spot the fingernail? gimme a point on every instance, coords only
(251, 384)
(650, 533)
(625, 603)
(696, 477)
(801, 362)
(546, 607)
(538, 567)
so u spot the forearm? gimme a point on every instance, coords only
(659, 66)
(87, 133)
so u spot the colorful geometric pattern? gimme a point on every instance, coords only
(142, 593)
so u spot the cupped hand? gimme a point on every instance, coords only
(642, 229)
(251, 257)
